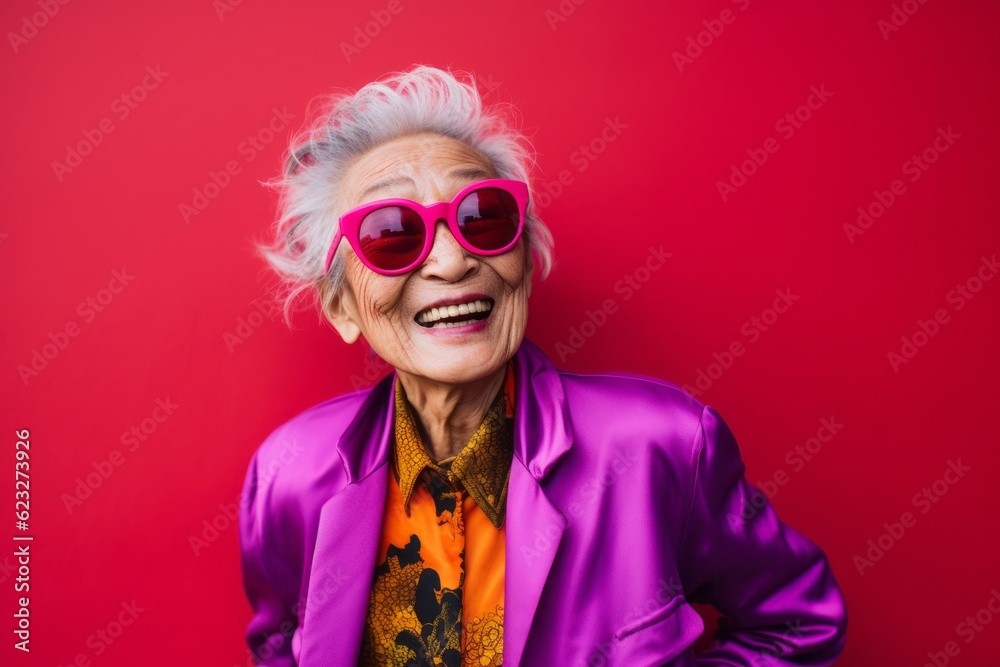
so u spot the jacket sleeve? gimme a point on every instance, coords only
(270, 582)
(780, 602)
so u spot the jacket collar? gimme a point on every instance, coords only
(481, 468)
(542, 429)
(350, 521)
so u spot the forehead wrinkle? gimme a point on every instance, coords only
(391, 165)
(385, 183)
(377, 163)
(458, 173)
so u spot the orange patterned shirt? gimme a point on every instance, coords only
(438, 591)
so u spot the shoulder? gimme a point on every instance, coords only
(290, 475)
(630, 415)
(301, 456)
(632, 403)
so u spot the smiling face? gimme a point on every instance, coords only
(392, 312)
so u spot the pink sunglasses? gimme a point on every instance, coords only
(394, 236)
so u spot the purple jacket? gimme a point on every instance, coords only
(626, 503)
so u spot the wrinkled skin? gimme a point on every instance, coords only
(449, 380)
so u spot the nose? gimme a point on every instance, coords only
(447, 259)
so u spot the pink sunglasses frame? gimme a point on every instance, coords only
(350, 223)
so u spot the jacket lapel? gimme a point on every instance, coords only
(350, 522)
(343, 564)
(535, 526)
(534, 530)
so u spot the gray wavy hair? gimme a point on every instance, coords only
(422, 99)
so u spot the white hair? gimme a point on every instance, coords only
(423, 99)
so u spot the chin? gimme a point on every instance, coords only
(458, 367)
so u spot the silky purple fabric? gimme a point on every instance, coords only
(627, 502)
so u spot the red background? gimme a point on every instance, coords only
(164, 335)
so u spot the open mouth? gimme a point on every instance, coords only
(456, 315)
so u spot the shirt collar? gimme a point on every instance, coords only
(483, 465)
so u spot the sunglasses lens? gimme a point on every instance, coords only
(489, 218)
(392, 237)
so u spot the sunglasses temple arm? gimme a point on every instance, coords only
(332, 251)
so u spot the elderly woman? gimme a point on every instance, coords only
(479, 506)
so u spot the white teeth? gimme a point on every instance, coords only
(435, 314)
(449, 325)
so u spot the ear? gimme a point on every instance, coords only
(340, 310)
